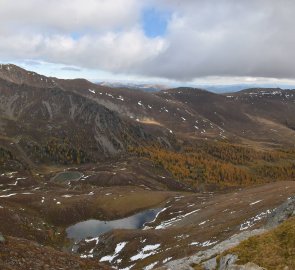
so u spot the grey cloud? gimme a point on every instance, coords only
(228, 38)
(253, 38)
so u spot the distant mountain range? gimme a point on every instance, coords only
(238, 87)
(137, 86)
(216, 88)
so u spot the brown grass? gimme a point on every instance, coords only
(273, 250)
(149, 121)
(132, 202)
(104, 207)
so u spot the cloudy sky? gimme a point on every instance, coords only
(185, 41)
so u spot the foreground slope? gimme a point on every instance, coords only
(272, 250)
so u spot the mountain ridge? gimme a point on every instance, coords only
(198, 112)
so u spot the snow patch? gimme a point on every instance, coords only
(167, 259)
(203, 222)
(67, 196)
(252, 221)
(163, 210)
(118, 249)
(150, 266)
(92, 239)
(8, 195)
(255, 202)
(145, 252)
(203, 244)
(168, 223)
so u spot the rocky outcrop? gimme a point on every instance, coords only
(282, 213)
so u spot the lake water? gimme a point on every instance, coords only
(94, 228)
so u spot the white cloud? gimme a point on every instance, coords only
(111, 51)
(69, 15)
(102, 34)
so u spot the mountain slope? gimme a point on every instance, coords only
(42, 118)
(255, 115)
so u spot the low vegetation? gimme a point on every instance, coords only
(102, 207)
(59, 151)
(4, 155)
(274, 250)
(8, 161)
(222, 165)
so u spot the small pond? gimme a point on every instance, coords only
(67, 176)
(94, 228)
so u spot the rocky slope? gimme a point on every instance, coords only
(220, 257)
(39, 119)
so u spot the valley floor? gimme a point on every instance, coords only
(41, 210)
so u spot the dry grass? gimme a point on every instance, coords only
(198, 267)
(273, 250)
(18, 254)
(114, 206)
(132, 202)
(149, 121)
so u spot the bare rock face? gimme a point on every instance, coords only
(210, 264)
(282, 213)
(227, 261)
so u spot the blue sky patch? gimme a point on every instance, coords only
(76, 35)
(155, 22)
